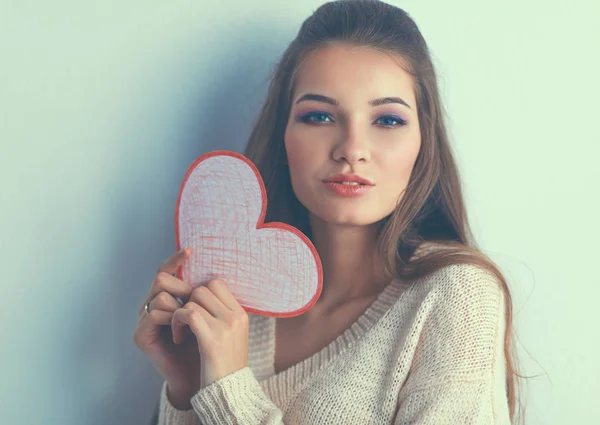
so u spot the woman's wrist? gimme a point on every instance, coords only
(179, 398)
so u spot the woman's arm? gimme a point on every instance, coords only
(235, 399)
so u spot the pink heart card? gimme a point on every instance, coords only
(272, 269)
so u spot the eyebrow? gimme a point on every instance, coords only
(374, 102)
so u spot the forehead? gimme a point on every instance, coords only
(354, 73)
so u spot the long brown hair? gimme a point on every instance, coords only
(432, 209)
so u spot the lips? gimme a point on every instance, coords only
(350, 180)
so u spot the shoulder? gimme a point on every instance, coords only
(463, 277)
(463, 290)
(458, 280)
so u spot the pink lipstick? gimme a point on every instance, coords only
(349, 184)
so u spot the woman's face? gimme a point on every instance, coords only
(353, 112)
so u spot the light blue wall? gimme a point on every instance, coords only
(104, 105)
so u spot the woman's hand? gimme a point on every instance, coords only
(178, 364)
(158, 329)
(220, 325)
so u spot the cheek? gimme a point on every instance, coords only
(299, 169)
(399, 171)
(300, 154)
(298, 166)
(398, 167)
(295, 159)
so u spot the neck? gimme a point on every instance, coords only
(352, 268)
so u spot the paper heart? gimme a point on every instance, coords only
(271, 268)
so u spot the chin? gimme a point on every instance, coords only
(346, 218)
(344, 214)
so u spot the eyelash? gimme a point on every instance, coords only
(305, 119)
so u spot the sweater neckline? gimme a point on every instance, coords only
(300, 371)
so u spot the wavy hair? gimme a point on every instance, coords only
(432, 210)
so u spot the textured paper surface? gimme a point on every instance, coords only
(271, 269)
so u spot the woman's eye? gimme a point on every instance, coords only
(388, 121)
(308, 118)
(391, 121)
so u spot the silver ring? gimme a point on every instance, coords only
(147, 307)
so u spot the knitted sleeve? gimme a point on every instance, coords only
(234, 399)
(169, 415)
(458, 371)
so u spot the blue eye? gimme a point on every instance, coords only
(307, 118)
(390, 119)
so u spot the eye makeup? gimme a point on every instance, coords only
(316, 117)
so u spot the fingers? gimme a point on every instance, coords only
(204, 297)
(171, 287)
(174, 261)
(147, 324)
(163, 292)
(221, 290)
(194, 316)
(165, 302)
(160, 317)
(166, 283)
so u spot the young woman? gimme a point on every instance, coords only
(413, 325)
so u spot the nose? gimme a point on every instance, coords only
(352, 148)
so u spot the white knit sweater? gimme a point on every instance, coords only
(427, 353)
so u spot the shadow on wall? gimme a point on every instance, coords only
(220, 116)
